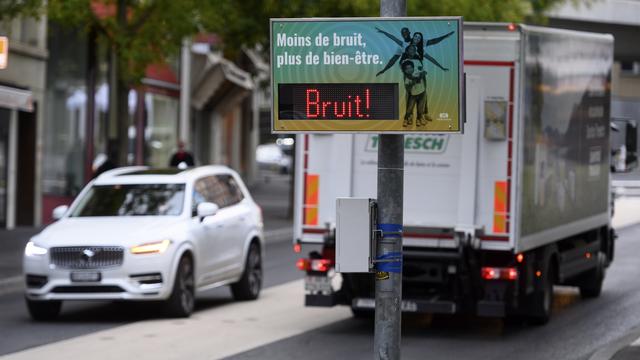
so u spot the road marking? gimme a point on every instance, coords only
(627, 212)
(211, 334)
(625, 183)
(636, 342)
(11, 285)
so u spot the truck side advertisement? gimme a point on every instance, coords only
(566, 103)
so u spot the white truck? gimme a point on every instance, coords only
(495, 217)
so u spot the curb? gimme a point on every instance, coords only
(610, 350)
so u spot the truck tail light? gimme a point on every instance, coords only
(320, 265)
(303, 264)
(495, 273)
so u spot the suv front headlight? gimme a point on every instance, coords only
(156, 247)
(34, 250)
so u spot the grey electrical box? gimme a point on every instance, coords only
(355, 224)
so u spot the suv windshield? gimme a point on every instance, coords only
(131, 200)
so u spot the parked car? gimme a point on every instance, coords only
(273, 157)
(147, 234)
(624, 144)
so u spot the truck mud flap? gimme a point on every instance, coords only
(321, 300)
(491, 308)
(412, 306)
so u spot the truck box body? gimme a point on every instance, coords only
(530, 170)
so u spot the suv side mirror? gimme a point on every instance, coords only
(207, 209)
(59, 212)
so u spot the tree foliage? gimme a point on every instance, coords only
(142, 32)
(247, 22)
(152, 29)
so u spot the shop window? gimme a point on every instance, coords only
(162, 128)
(30, 30)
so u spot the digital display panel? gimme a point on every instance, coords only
(338, 101)
(367, 75)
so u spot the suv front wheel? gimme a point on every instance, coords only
(182, 299)
(249, 285)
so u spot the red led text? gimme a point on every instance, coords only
(355, 106)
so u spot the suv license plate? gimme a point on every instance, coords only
(85, 276)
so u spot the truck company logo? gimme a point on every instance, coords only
(428, 143)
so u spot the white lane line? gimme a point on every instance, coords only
(636, 342)
(627, 212)
(211, 334)
(11, 285)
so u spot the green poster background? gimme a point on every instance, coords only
(443, 88)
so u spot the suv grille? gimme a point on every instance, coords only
(87, 257)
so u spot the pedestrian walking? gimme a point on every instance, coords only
(181, 156)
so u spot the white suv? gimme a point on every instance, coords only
(143, 234)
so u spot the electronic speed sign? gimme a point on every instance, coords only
(372, 75)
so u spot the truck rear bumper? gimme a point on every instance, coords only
(411, 305)
(484, 308)
(321, 300)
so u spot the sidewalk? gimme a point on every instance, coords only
(628, 347)
(246, 325)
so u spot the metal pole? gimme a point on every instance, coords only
(185, 94)
(90, 105)
(389, 247)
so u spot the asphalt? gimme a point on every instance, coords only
(578, 330)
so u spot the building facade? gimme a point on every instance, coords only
(621, 18)
(22, 104)
(214, 120)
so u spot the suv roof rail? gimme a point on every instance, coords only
(122, 171)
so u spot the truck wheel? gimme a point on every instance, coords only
(611, 245)
(591, 285)
(43, 310)
(249, 285)
(542, 299)
(182, 299)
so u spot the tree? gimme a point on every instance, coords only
(141, 32)
(247, 22)
(137, 32)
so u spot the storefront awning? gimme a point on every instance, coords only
(17, 99)
(220, 81)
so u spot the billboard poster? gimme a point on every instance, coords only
(372, 75)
